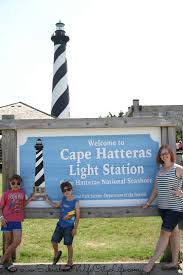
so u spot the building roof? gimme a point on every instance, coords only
(137, 110)
(21, 110)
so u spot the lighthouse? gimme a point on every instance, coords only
(60, 89)
(39, 185)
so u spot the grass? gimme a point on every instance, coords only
(101, 240)
(97, 240)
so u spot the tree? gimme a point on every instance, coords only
(121, 114)
(178, 135)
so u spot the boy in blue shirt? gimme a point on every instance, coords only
(67, 224)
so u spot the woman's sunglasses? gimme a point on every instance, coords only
(67, 189)
(14, 182)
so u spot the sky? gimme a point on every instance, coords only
(119, 50)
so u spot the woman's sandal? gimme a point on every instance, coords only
(143, 272)
(171, 267)
(67, 267)
(11, 268)
(1, 267)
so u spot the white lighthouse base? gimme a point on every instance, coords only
(39, 192)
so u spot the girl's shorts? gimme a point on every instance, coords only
(12, 226)
(170, 219)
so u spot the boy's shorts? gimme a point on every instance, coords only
(170, 219)
(60, 233)
(12, 226)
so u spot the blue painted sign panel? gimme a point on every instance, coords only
(105, 170)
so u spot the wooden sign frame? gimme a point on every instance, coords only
(9, 127)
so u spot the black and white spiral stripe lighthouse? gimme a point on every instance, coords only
(39, 185)
(60, 89)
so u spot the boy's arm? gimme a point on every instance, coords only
(51, 203)
(74, 231)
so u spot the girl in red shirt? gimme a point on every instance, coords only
(11, 215)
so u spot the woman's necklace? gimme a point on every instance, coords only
(167, 167)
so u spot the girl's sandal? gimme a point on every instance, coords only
(1, 268)
(11, 268)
